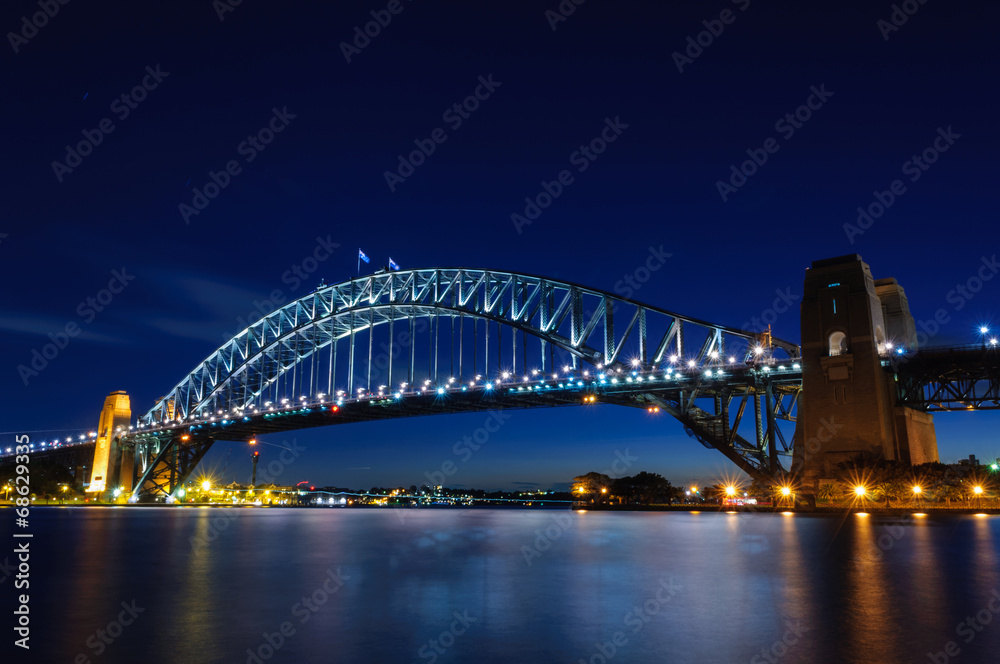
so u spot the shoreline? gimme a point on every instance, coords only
(690, 509)
(824, 509)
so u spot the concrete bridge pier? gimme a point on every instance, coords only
(113, 462)
(849, 323)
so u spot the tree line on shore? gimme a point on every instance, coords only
(863, 480)
(643, 488)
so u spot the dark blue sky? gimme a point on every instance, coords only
(343, 125)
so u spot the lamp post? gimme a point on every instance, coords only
(917, 491)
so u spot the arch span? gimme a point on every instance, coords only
(474, 316)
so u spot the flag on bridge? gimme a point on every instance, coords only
(362, 256)
(392, 264)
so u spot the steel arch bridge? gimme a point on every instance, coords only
(426, 341)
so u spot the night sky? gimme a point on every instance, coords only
(210, 76)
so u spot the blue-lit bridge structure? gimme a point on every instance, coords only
(436, 341)
(432, 341)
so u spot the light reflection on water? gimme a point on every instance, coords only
(511, 585)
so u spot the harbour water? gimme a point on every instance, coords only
(516, 585)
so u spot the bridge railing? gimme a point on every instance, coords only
(961, 348)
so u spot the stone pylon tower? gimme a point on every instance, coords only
(111, 466)
(850, 325)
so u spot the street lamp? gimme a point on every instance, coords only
(917, 490)
(978, 492)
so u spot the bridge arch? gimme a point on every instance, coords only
(282, 355)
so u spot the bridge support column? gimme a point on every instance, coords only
(113, 425)
(848, 407)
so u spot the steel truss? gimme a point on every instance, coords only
(496, 324)
(569, 317)
(950, 379)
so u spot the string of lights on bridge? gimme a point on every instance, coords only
(535, 382)
(529, 383)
